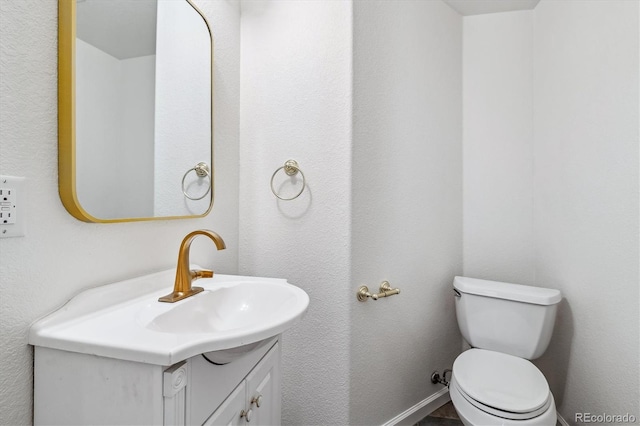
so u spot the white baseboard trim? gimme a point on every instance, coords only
(421, 410)
(561, 420)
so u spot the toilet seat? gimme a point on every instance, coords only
(505, 414)
(471, 415)
(501, 385)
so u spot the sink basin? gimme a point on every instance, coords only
(234, 307)
(125, 321)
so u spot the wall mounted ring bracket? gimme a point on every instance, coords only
(202, 170)
(291, 168)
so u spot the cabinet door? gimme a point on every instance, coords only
(229, 412)
(263, 387)
(210, 385)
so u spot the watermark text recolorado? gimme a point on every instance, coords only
(604, 418)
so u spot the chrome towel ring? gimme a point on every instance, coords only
(291, 168)
(202, 170)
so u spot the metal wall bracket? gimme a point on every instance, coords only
(385, 291)
(436, 378)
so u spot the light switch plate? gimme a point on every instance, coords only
(12, 214)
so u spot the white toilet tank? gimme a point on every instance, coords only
(503, 317)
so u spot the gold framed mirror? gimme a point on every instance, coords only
(135, 110)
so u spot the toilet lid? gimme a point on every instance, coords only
(501, 381)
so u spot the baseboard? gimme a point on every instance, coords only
(427, 406)
(421, 410)
(561, 421)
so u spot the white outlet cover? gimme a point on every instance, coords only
(12, 200)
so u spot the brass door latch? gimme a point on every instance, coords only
(385, 291)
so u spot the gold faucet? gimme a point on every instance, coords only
(184, 276)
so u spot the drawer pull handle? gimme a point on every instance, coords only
(257, 400)
(246, 415)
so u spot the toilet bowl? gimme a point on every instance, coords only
(494, 383)
(493, 388)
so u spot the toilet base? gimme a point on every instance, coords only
(473, 416)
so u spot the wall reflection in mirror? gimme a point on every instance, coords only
(143, 109)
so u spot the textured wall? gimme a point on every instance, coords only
(551, 182)
(296, 103)
(183, 84)
(59, 256)
(406, 201)
(586, 199)
(498, 154)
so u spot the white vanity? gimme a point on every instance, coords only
(115, 355)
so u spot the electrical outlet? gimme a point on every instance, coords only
(12, 218)
(7, 206)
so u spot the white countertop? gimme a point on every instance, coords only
(120, 320)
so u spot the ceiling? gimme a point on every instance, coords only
(122, 28)
(126, 29)
(479, 7)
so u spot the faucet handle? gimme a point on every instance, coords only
(200, 273)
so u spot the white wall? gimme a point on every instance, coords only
(114, 123)
(296, 103)
(99, 125)
(586, 199)
(137, 117)
(551, 183)
(60, 255)
(183, 109)
(498, 152)
(406, 202)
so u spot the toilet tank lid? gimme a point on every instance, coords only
(508, 291)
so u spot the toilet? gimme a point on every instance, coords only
(494, 383)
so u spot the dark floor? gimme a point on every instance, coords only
(447, 416)
(444, 416)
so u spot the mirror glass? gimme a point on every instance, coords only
(140, 110)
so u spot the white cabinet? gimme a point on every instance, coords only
(263, 392)
(232, 410)
(78, 389)
(256, 400)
